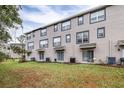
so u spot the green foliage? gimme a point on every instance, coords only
(9, 18)
(17, 49)
(3, 56)
(20, 50)
(21, 39)
(4, 36)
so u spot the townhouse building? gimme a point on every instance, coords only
(89, 37)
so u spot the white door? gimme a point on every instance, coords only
(122, 52)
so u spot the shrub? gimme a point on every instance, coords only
(22, 60)
(3, 56)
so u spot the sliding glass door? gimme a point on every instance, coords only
(88, 55)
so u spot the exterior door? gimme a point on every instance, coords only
(60, 55)
(41, 55)
(88, 55)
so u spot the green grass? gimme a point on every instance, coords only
(32, 74)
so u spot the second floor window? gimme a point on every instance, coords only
(28, 36)
(56, 28)
(43, 32)
(44, 43)
(66, 25)
(101, 32)
(82, 37)
(57, 41)
(80, 20)
(68, 38)
(30, 45)
(97, 16)
(33, 34)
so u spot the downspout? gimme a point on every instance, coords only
(109, 48)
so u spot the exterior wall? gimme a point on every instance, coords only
(105, 47)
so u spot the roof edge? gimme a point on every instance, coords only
(70, 17)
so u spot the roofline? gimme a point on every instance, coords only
(67, 18)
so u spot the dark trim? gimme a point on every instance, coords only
(103, 30)
(78, 20)
(41, 31)
(57, 27)
(44, 40)
(97, 11)
(66, 38)
(83, 32)
(57, 37)
(66, 21)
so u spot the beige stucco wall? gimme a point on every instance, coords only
(114, 26)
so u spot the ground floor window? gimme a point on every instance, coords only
(88, 55)
(41, 55)
(60, 55)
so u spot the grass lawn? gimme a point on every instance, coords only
(32, 74)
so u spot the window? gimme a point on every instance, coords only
(80, 20)
(101, 32)
(60, 55)
(57, 41)
(44, 43)
(56, 28)
(68, 38)
(82, 37)
(30, 45)
(43, 32)
(97, 16)
(33, 34)
(66, 25)
(28, 36)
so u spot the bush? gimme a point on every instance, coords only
(22, 60)
(3, 56)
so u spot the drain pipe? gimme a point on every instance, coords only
(109, 48)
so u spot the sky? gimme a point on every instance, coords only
(35, 16)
